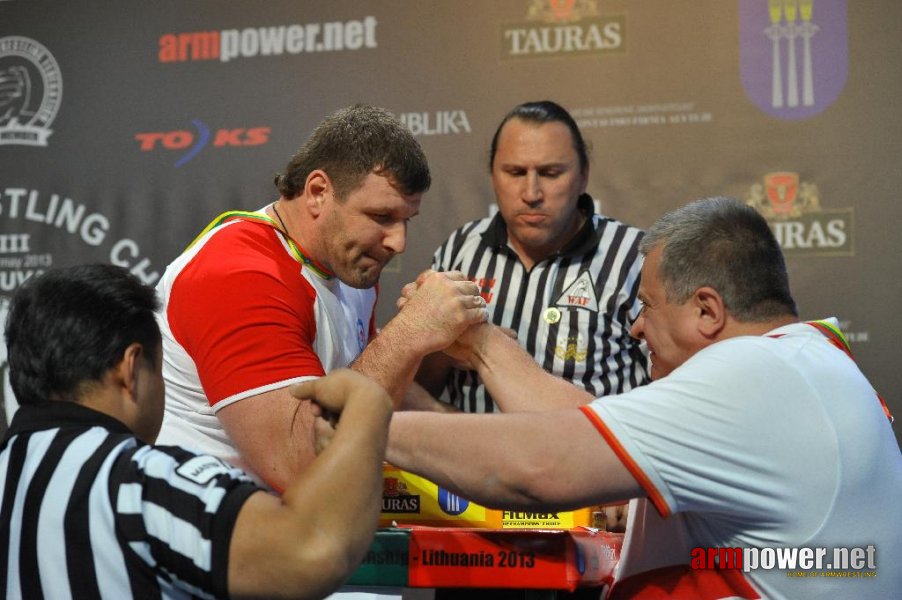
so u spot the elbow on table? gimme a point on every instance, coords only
(324, 562)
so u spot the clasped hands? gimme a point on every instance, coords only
(466, 308)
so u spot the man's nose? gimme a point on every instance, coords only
(396, 237)
(637, 329)
(532, 191)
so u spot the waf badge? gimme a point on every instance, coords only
(579, 294)
(794, 54)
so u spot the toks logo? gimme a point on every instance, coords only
(793, 210)
(193, 143)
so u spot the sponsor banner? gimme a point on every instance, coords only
(641, 115)
(26, 249)
(797, 562)
(536, 559)
(38, 230)
(794, 54)
(386, 562)
(802, 227)
(409, 499)
(188, 144)
(447, 557)
(31, 89)
(440, 122)
(563, 28)
(275, 40)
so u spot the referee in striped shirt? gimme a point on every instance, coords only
(564, 278)
(90, 509)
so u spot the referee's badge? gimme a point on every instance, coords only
(579, 294)
(571, 348)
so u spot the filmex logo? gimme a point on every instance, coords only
(802, 227)
(31, 88)
(563, 27)
(190, 143)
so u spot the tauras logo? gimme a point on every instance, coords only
(401, 504)
(556, 27)
(802, 227)
(31, 89)
(396, 498)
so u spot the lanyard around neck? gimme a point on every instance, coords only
(296, 251)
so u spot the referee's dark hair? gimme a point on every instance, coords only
(545, 111)
(68, 327)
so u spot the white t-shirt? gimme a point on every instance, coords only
(242, 316)
(760, 442)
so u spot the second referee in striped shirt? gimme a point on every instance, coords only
(561, 276)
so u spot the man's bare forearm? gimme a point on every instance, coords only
(391, 359)
(304, 543)
(514, 379)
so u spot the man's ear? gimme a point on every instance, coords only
(128, 368)
(711, 310)
(317, 187)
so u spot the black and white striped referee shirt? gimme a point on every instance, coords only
(88, 511)
(571, 311)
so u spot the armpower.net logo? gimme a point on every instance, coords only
(797, 562)
(277, 40)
